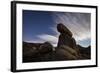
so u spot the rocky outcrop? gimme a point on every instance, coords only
(45, 48)
(67, 42)
(34, 52)
(66, 49)
(85, 52)
(65, 37)
(30, 49)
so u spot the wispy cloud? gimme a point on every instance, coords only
(50, 38)
(45, 38)
(78, 23)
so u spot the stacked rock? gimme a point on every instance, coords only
(64, 30)
(65, 37)
(67, 42)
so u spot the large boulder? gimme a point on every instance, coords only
(67, 41)
(45, 48)
(69, 49)
(29, 49)
(64, 54)
(64, 30)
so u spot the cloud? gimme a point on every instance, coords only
(45, 38)
(50, 38)
(78, 23)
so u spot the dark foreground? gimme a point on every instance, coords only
(31, 54)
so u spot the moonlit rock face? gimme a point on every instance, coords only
(64, 30)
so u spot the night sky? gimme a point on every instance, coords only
(40, 26)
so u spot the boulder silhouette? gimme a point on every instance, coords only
(64, 30)
(45, 48)
(66, 43)
(66, 40)
(65, 37)
(29, 49)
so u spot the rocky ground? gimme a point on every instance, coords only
(67, 49)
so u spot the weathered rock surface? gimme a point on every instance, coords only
(66, 49)
(69, 49)
(45, 48)
(85, 52)
(67, 42)
(64, 30)
(64, 39)
(65, 55)
(30, 49)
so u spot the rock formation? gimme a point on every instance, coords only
(65, 37)
(67, 42)
(45, 48)
(66, 49)
(64, 30)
